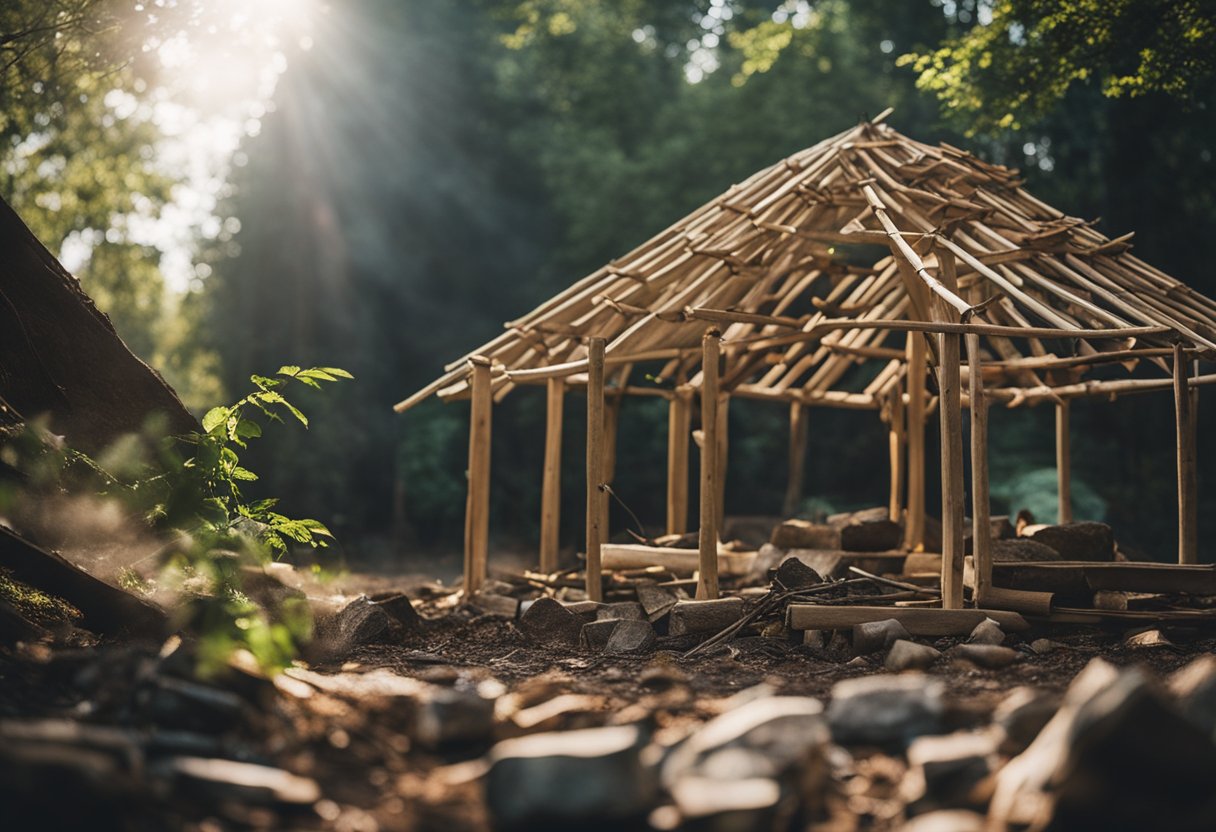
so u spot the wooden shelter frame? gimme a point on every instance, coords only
(765, 293)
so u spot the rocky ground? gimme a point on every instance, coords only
(441, 714)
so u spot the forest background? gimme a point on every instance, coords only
(379, 184)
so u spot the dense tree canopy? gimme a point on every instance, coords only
(431, 170)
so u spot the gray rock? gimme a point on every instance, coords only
(655, 600)
(584, 610)
(595, 634)
(548, 622)
(768, 557)
(989, 656)
(944, 768)
(908, 655)
(1021, 716)
(1022, 548)
(1117, 755)
(570, 776)
(401, 610)
(1043, 646)
(886, 709)
(873, 636)
(794, 574)
(621, 611)
(1148, 638)
(766, 738)
(493, 604)
(631, 637)
(452, 716)
(987, 632)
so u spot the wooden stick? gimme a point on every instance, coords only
(679, 429)
(915, 525)
(896, 432)
(920, 621)
(1188, 531)
(707, 583)
(595, 467)
(981, 532)
(1064, 461)
(551, 487)
(797, 459)
(950, 412)
(723, 439)
(477, 507)
(612, 415)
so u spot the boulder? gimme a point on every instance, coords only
(630, 636)
(885, 709)
(621, 611)
(656, 601)
(595, 634)
(987, 632)
(908, 655)
(794, 574)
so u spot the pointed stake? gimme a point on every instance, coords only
(707, 582)
(551, 487)
(595, 466)
(477, 506)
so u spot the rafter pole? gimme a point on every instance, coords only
(551, 487)
(477, 506)
(707, 582)
(596, 520)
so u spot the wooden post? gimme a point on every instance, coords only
(1063, 462)
(551, 488)
(1188, 528)
(896, 431)
(981, 531)
(950, 411)
(595, 466)
(679, 429)
(612, 415)
(797, 459)
(477, 507)
(707, 583)
(723, 441)
(915, 526)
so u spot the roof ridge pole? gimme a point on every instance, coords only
(477, 506)
(950, 412)
(595, 466)
(1188, 538)
(707, 580)
(551, 487)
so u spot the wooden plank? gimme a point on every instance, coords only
(477, 506)
(621, 556)
(595, 466)
(551, 485)
(915, 525)
(1063, 461)
(1188, 507)
(796, 466)
(707, 583)
(981, 533)
(1063, 576)
(920, 621)
(679, 430)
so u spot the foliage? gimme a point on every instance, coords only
(1016, 67)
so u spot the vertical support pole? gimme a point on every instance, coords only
(950, 411)
(551, 486)
(1188, 516)
(896, 431)
(797, 459)
(723, 443)
(477, 507)
(1064, 461)
(595, 466)
(679, 428)
(612, 415)
(707, 582)
(981, 532)
(915, 527)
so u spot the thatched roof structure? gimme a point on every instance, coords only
(788, 259)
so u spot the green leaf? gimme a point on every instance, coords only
(215, 417)
(248, 429)
(243, 474)
(335, 371)
(289, 370)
